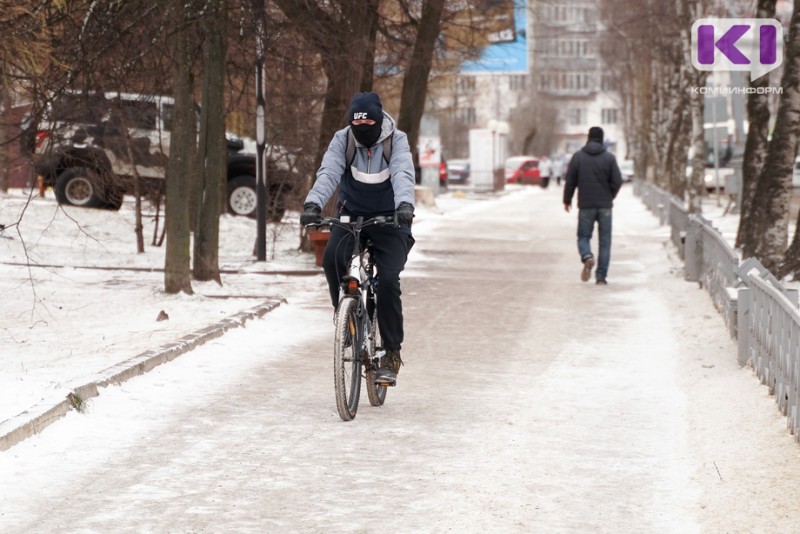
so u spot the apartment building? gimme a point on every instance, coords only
(568, 71)
(564, 73)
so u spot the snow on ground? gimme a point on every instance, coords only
(77, 298)
(60, 323)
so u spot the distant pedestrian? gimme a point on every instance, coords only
(595, 173)
(545, 170)
(560, 167)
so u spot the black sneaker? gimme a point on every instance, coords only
(389, 367)
(601, 282)
(586, 273)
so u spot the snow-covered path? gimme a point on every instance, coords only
(529, 402)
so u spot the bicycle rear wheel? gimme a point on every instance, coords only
(347, 359)
(376, 393)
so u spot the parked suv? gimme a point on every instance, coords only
(83, 151)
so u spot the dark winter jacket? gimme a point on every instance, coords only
(594, 171)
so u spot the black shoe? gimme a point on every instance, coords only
(586, 273)
(601, 282)
(389, 367)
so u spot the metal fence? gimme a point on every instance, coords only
(759, 312)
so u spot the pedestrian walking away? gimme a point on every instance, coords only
(594, 172)
(370, 162)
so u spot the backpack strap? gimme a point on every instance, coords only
(387, 148)
(350, 149)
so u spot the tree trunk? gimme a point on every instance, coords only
(342, 34)
(177, 258)
(694, 78)
(643, 112)
(212, 155)
(344, 79)
(137, 180)
(368, 68)
(756, 145)
(770, 212)
(672, 128)
(5, 108)
(415, 81)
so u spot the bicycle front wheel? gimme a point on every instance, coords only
(376, 393)
(347, 360)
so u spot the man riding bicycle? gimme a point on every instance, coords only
(377, 180)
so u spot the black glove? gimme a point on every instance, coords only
(311, 214)
(404, 213)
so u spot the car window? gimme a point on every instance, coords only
(140, 114)
(78, 108)
(167, 116)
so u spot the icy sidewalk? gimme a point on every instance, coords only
(529, 402)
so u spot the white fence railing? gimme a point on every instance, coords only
(759, 312)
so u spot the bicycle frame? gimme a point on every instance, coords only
(357, 333)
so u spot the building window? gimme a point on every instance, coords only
(465, 84)
(608, 116)
(517, 82)
(577, 116)
(466, 115)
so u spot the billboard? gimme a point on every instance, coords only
(505, 23)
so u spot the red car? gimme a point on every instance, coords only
(524, 170)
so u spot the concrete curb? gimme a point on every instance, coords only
(42, 415)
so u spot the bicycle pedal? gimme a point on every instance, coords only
(385, 383)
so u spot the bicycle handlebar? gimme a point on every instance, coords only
(356, 224)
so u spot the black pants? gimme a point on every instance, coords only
(391, 247)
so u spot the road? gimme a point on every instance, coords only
(529, 402)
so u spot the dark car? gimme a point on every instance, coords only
(458, 171)
(91, 146)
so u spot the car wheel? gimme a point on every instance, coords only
(79, 186)
(242, 196)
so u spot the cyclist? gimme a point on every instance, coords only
(370, 185)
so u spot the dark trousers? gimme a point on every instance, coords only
(391, 246)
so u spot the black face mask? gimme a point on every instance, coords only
(367, 134)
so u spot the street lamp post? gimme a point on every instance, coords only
(261, 168)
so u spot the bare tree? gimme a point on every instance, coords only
(340, 32)
(757, 143)
(415, 81)
(177, 258)
(766, 236)
(688, 10)
(212, 150)
(534, 120)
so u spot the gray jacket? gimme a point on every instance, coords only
(369, 167)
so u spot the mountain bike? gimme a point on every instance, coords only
(357, 345)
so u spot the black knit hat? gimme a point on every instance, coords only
(596, 134)
(365, 106)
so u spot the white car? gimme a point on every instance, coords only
(626, 168)
(710, 176)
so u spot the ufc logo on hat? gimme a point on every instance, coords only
(359, 115)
